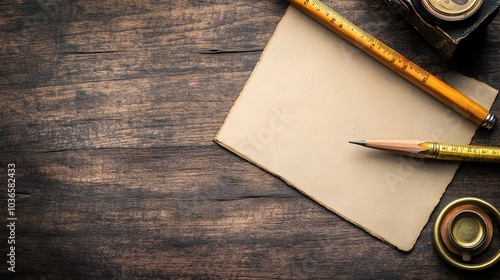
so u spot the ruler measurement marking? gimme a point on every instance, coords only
(456, 151)
(393, 56)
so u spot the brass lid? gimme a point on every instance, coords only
(467, 230)
(452, 10)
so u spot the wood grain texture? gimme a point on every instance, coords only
(109, 108)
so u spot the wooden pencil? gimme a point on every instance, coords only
(434, 150)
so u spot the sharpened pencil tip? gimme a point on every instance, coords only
(359, 142)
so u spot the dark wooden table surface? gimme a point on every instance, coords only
(108, 110)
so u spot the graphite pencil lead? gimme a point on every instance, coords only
(359, 142)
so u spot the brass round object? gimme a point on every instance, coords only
(467, 230)
(464, 228)
(452, 10)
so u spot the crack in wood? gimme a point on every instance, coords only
(215, 51)
(90, 52)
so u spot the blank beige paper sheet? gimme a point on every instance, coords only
(310, 94)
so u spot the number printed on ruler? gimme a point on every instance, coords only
(469, 152)
(357, 36)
